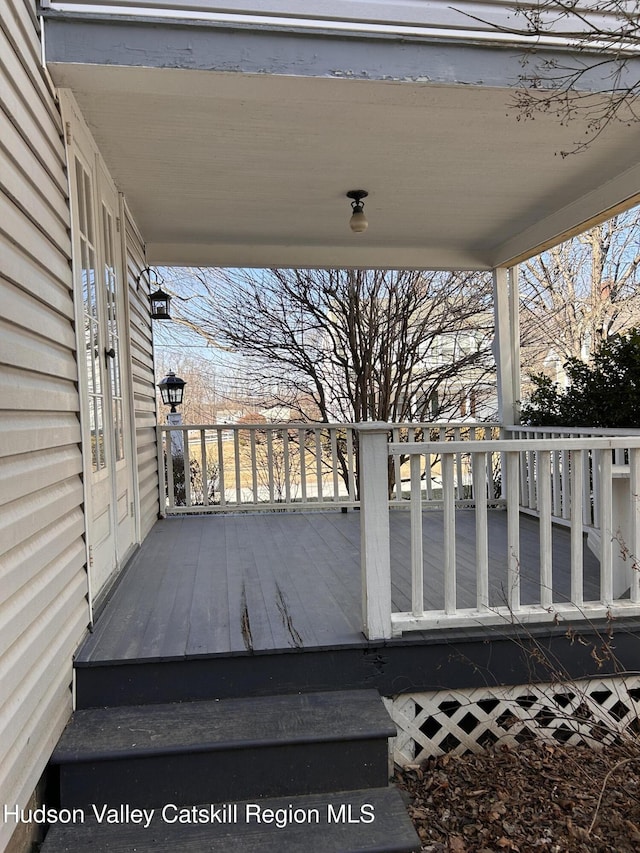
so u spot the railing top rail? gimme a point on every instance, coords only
(445, 424)
(311, 425)
(536, 430)
(512, 444)
(258, 425)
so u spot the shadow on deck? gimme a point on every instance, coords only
(224, 605)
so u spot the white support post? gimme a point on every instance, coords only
(177, 438)
(504, 346)
(514, 341)
(374, 531)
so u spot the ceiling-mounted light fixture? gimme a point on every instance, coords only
(358, 221)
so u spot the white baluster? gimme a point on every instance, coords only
(417, 560)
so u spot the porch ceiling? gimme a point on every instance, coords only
(251, 169)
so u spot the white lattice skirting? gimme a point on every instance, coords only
(593, 711)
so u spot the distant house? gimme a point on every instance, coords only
(231, 414)
(276, 414)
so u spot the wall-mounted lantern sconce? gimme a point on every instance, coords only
(358, 221)
(160, 300)
(160, 305)
(172, 390)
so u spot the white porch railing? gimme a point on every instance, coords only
(295, 466)
(617, 513)
(234, 467)
(560, 479)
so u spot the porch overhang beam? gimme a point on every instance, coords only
(143, 41)
(607, 200)
(269, 255)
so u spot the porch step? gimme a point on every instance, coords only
(219, 751)
(368, 821)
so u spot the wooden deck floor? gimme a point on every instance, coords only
(220, 585)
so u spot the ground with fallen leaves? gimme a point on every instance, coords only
(533, 798)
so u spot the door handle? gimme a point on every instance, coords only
(110, 353)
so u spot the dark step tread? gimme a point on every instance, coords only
(390, 831)
(206, 726)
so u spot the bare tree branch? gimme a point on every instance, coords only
(580, 293)
(596, 79)
(349, 345)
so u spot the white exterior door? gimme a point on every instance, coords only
(102, 348)
(116, 362)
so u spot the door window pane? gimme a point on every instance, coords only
(110, 282)
(91, 318)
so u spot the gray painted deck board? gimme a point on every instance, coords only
(107, 733)
(391, 831)
(272, 581)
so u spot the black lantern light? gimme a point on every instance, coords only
(160, 305)
(171, 389)
(159, 299)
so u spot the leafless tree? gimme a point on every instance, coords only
(579, 293)
(596, 77)
(349, 345)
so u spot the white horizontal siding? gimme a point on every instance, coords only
(18, 266)
(25, 32)
(36, 353)
(41, 703)
(22, 476)
(24, 232)
(46, 504)
(43, 583)
(25, 184)
(24, 310)
(37, 393)
(20, 565)
(30, 601)
(142, 379)
(24, 432)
